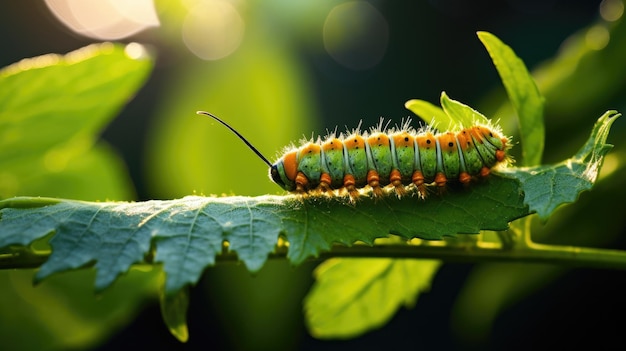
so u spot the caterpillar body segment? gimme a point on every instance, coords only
(332, 163)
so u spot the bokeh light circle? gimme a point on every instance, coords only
(213, 29)
(356, 35)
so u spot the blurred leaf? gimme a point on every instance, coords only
(63, 313)
(523, 94)
(52, 108)
(265, 99)
(174, 311)
(584, 77)
(353, 296)
(97, 174)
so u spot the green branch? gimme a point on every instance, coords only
(21, 258)
(479, 252)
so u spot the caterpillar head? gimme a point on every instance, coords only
(284, 171)
(500, 142)
(493, 137)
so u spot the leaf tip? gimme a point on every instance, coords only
(613, 114)
(40, 276)
(410, 103)
(174, 312)
(483, 34)
(181, 333)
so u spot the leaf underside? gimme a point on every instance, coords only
(187, 234)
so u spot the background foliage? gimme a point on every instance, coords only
(280, 84)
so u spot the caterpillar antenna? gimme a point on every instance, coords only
(256, 151)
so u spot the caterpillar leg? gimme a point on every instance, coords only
(324, 186)
(350, 184)
(395, 178)
(373, 180)
(418, 181)
(501, 154)
(465, 178)
(302, 183)
(441, 180)
(484, 172)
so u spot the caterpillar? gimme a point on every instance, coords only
(397, 158)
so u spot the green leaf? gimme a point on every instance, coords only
(174, 312)
(189, 148)
(52, 110)
(547, 187)
(64, 314)
(524, 96)
(353, 296)
(317, 223)
(188, 233)
(461, 114)
(452, 113)
(95, 174)
(429, 113)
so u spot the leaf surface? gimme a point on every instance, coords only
(433, 115)
(460, 113)
(524, 95)
(188, 233)
(52, 110)
(352, 296)
(452, 114)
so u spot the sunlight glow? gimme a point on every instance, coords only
(213, 29)
(105, 19)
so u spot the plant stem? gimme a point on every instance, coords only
(22, 258)
(474, 253)
(535, 253)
